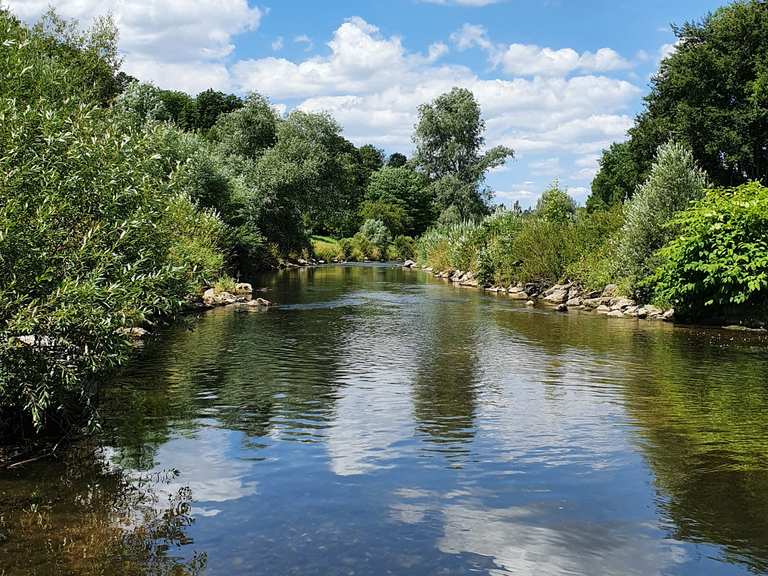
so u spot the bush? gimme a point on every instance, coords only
(346, 248)
(674, 182)
(402, 248)
(556, 205)
(719, 262)
(375, 234)
(328, 250)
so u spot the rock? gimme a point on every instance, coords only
(592, 294)
(135, 332)
(321, 261)
(740, 328)
(37, 341)
(530, 303)
(259, 302)
(577, 301)
(603, 309)
(561, 308)
(641, 312)
(592, 302)
(557, 288)
(243, 288)
(516, 289)
(615, 314)
(610, 290)
(518, 296)
(669, 315)
(558, 296)
(621, 303)
(209, 297)
(653, 311)
(409, 264)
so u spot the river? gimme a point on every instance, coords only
(381, 422)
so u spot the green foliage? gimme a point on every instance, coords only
(224, 284)
(397, 160)
(402, 248)
(247, 131)
(616, 180)
(449, 138)
(95, 235)
(555, 205)
(375, 232)
(402, 192)
(674, 181)
(327, 249)
(718, 264)
(709, 94)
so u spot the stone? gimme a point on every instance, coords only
(516, 289)
(409, 264)
(669, 315)
(518, 296)
(558, 296)
(561, 308)
(603, 309)
(615, 314)
(258, 302)
(592, 302)
(530, 303)
(243, 288)
(610, 290)
(209, 297)
(641, 312)
(577, 301)
(133, 332)
(621, 303)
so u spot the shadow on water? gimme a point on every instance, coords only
(381, 422)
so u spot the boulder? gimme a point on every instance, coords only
(209, 297)
(518, 295)
(592, 302)
(602, 309)
(561, 308)
(669, 315)
(259, 302)
(610, 290)
(409, 264)
(615, 314)
(530, 303)
(556, 296)
(621, 303)
(516, 289)
(574, 301)
(134, 332)
(641, 312)
(243, 288)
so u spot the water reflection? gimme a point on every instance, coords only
(382, 422)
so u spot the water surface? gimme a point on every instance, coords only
(382, 422)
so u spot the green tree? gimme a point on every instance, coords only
(556, 206)
(616, 180)
(675, 180)
(247, 131)
(396, 160)
(209, 105)
(711, 93)
(407, 189)
(449, 139)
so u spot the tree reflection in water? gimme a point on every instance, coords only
(80, 515)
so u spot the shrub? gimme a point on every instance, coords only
(719, 261)
(327, 250)
(346, 248)
(376, 235)
(674, 181)
(224, 284)
(555, 205)
(402, 248)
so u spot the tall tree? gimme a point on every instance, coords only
(617, 178)
(449, 139)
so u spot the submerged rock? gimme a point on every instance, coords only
(243, 288)
(561, 308)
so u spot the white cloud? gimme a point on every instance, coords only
(667, 50)
(176, 43)
(306, 40)
(532, 60)
(278, 43)
(546, 167)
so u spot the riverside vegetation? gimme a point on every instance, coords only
(121, 201)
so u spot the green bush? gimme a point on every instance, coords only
(402, 248)
(673, 183)
(556, 206)
(718, 264)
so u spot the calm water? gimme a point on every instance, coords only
(383, 422)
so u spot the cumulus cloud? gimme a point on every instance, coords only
(177, 43)
(532, 60)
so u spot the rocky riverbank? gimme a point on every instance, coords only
(561, 297)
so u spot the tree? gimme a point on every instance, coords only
(449, 139)
(396, 160)
(247, 131)
(711, 94)
(675, 180)
(556, 206)
(616, 180)
(371, 158)
(210, 104)
(407, 189)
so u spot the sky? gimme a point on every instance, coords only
(557, 80)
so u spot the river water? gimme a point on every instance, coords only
(379, 421)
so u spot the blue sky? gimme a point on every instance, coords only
(558, 80)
